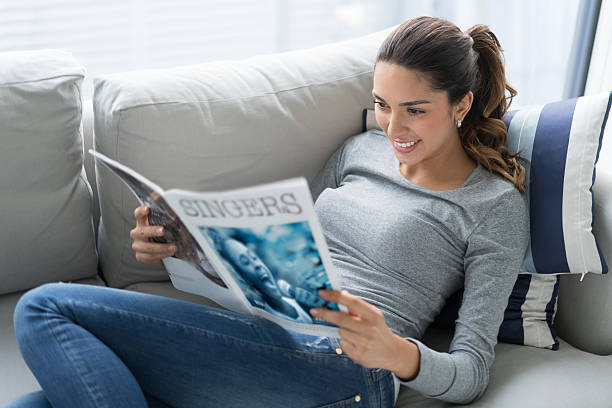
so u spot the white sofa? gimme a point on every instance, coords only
(223, 125)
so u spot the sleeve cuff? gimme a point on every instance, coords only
(436, 372)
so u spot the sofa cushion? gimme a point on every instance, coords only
(529, 316)
(185, 128)
(530, 377)
(562, 141)
(45, 199)
(15, 377)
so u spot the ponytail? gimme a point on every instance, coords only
(484, 133)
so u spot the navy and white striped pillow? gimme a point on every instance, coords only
(529, 316)
(562, 140)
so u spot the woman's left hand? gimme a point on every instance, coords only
(366, 338)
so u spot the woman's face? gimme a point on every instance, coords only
(418, 121)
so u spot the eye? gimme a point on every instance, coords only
(381, 105)
(243, 259)
(414, 112)
(411, 111)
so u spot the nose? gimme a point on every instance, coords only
(396, 125)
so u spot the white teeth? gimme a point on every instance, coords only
(406, 144)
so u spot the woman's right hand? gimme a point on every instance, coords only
(148, 251)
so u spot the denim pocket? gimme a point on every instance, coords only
(353, 401)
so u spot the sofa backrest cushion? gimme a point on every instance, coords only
(45, 199)
(222, 125)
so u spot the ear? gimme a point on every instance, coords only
(463, 106)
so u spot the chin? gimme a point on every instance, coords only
(408, 161)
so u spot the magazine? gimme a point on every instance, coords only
(257, 250)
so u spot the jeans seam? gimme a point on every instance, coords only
(211, 332)
(375, 386)
(381, 394)
(52, 329)
(370, 384)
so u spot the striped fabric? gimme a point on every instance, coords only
(562, 141)
(531, 310)
(529, 316)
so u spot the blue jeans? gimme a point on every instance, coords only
(92, 346)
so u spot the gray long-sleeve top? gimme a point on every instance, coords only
(405, 249)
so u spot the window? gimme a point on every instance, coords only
(122, 35)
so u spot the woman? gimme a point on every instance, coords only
(409, 219)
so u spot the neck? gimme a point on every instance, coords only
(443, 172)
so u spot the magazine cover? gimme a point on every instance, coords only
(268, 239)
(257, 250)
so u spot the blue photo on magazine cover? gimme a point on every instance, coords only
(278, 268)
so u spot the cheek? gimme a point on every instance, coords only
(381, 119)
(433, 125)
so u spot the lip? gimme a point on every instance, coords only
(405, 149)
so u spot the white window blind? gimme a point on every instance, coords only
(122, 35)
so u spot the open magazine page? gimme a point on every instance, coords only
(189, 269)
(267, 244)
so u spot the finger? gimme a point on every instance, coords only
(348, 347)
(153, 248)
(353, 303)
(353, 337)
(149, 259)
(338, 318)
(141, 213)
(351, 350)
(143, 232)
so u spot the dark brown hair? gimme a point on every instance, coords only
(458, 62)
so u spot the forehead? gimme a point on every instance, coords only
(394, 81)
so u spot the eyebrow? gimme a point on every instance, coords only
(410, 103)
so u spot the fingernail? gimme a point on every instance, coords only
(171, 249)
(314, 312)
(160, 230)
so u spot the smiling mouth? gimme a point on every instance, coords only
(405, 147)
(405, 144)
